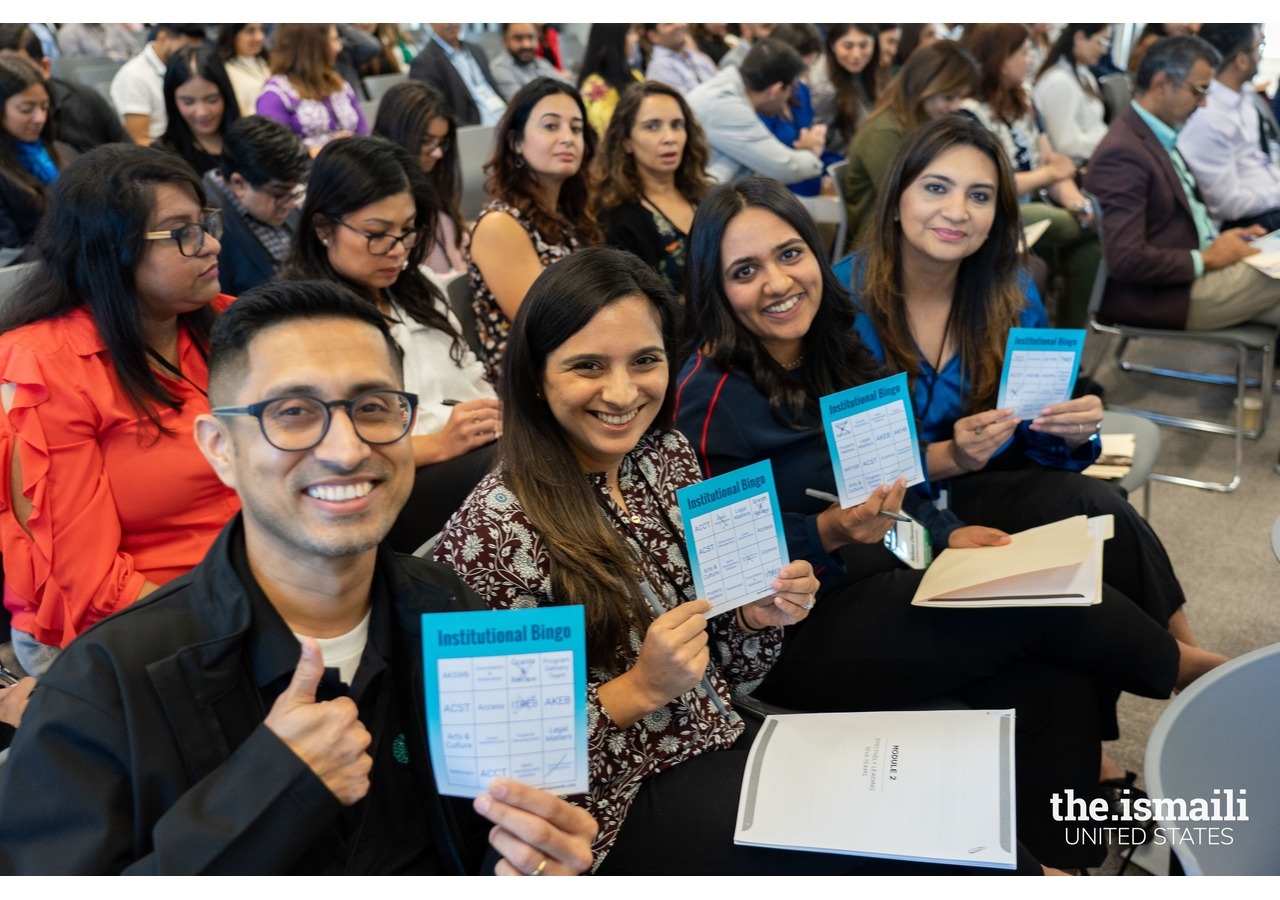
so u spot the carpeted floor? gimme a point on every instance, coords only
(1220, 543)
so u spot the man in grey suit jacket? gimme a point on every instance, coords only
(1167, 264)
(460, 71)
(729, 107)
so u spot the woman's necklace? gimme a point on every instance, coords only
(794, 364)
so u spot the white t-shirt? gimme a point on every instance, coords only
(138, 90)
(344, 651)
(431, 373)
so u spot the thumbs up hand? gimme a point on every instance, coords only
(328, 736)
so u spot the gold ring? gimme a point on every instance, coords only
(542, 867)
(475, 418)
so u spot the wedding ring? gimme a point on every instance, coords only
(475, 418)
(542, 867)
(809, 605)
(1079, 428)
(978, 429)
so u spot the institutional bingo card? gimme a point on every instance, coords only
(506, 694)
(1040, 366)
(733, 528)
(871, 435)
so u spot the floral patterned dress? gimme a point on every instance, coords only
(492, 546)
(492, 324)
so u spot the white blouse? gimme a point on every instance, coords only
(1073, 118)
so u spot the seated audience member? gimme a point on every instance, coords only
(366, 224)
(305, 92)
(1070, 244)
(108, 39)
(1168, 266)
(1066, 94)
(193, 735)
(846, 82)
(137, 90)
(394, 53)
(29, 156)
(459, 70)
(606, 72)
(539, 179)
(82, 118)
(674, 60)
(258, 185)
(200, 105)
(729, 106)
(1225, 143)
(774, 333)
(749, 34)
(710, 38)
(582, 510)
(415, 116)
(243, 50)
(521, 63)
(887, 43)
(798, 116)
(650, 178)
(933, 82)
(102, 374)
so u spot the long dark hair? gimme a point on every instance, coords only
(90, 245)
(988, 298)
(1065, 48)
(187, 63)
(848, 103)
(17, 75)
(835, 358)
(226, 42)
(617, 181)
(403, 116)
(511, 180)
(606, 55)
(591, 565)
(350, 174)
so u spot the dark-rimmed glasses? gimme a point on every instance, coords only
(431, 144)
(190, 237)
(300, 423)
(384, 243)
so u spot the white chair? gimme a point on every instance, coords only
(1146, 447)
(475, 143)
(11, 277)
(1220, 735)
(375, 86)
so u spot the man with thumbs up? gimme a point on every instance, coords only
(265, 713)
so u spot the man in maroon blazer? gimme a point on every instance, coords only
(1167, 264)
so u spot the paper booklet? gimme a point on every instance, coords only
(1059, 564)
(1267, 259)
(930, 786)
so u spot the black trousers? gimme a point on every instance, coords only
(1016, 494)
(682, 823)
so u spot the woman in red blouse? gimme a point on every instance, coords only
(102, 373)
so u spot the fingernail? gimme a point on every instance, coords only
(483, 803)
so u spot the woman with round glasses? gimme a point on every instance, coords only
(1067, 95)
(102, 374)
(416, 116)
(364, 223)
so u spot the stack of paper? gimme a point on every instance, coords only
(1116, 459)
(930, 786)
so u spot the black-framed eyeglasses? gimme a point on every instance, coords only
(382, 244)
(431, 144)
(300, 423)
(284, 196)
(190, 237)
